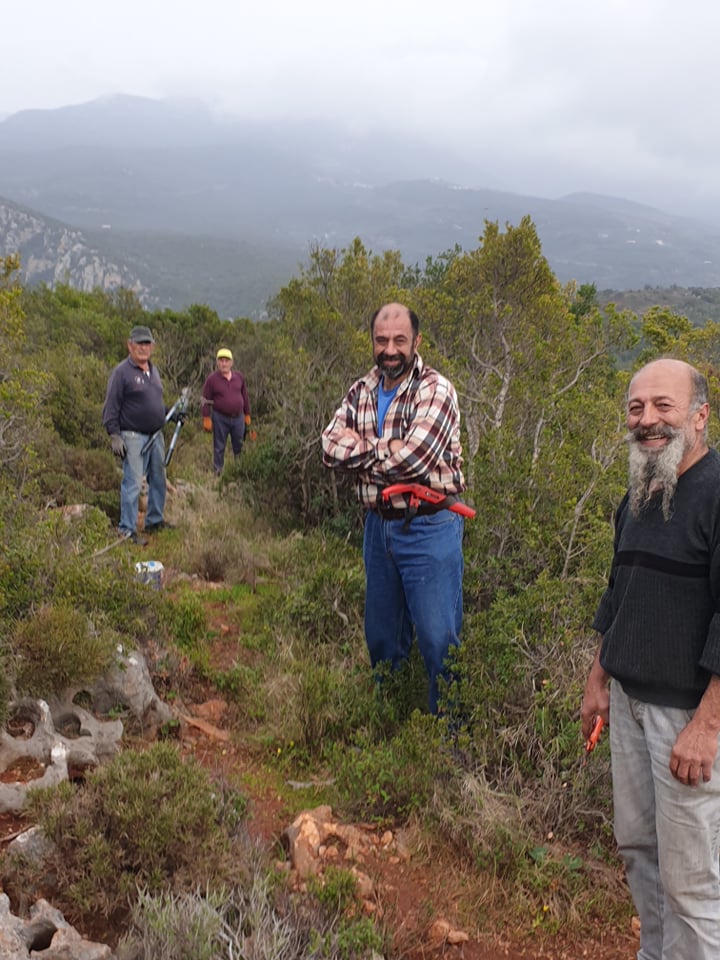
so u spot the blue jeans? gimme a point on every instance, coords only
(137, 465)
(224, 427)
(414, 579)
(668, 833)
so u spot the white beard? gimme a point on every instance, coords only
(651, 471)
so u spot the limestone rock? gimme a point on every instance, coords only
(442, 932)
(45, 933)
(128, 684)
(68, 738)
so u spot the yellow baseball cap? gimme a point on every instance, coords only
(224, 352)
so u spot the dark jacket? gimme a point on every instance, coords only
(133, 400)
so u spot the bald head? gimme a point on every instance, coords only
(394, 311)
(677, 375)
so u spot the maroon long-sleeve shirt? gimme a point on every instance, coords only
(229, 397)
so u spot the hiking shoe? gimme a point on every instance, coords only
(160, 525)
(132, 537)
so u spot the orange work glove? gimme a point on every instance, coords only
(207, 424)
(253, 435)
(247, 419)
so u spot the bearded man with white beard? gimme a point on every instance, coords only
(656, 675)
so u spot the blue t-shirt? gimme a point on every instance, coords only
(385, 398)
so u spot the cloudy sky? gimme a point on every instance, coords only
(541, 96)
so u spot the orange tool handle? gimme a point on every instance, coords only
(418, 492)
(592, 740)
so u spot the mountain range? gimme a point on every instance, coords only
(185, 206)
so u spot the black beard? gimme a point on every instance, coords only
(392, 368)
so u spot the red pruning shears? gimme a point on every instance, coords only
(592, 740)
(420, 494)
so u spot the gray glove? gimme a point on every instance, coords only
(118, 445)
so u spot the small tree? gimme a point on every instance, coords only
(22, 385)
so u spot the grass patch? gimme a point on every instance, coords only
(261, 921)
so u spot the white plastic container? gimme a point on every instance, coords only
(150, 572)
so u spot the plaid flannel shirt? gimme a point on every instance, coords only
(423, 414)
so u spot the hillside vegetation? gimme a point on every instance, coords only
(540, 370)
(698, 304)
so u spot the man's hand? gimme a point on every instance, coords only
(693, 754)
(696, 746)
(118, 446)
(595, 703)
(207, 424)
(596, 698)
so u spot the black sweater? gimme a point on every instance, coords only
(659, 615)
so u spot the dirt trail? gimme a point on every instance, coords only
(412, 894)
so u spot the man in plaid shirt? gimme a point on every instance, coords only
(401, 424)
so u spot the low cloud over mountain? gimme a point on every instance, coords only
(188, 207)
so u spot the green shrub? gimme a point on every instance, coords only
(6, 691)
(147, 820)
(184, 620)
(331, 702)
(75, 475)
(259, 469)
(523, 663)
(336, 889)
(245, 685)
(52, 560)
(216, 551)
(186, 926)
(56, 648)
(358, 938)
(325, 594)
(20, 574)
(336, 701)
(110, 594)
(391, 779)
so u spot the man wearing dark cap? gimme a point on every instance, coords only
(134, 415)
(226, 408)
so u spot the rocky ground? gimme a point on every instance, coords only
(417, 895)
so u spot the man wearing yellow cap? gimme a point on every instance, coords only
(226, 408)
